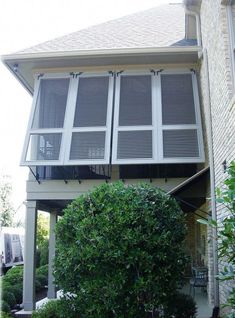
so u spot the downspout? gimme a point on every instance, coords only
(212, 178)
(204, 55)
(198, 28)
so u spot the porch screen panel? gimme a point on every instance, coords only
(180, 143)
(44, 147)
(51, 103)
(91, 104)
(44, 142)
(134, 144)
(133, 127)
(90, 131)
(88, 145)
(135, 106)
(177, 99)
(181, 131)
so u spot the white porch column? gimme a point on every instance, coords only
(30, 256)
(51, 286)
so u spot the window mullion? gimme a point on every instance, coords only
(69, 118)
(115, 122)
(198, 116)
(158, 117)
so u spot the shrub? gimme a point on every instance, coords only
(13, 281)
(14, 275)
(5, 307)
(42, 270)
(4, 315)
(42, 279)
(17, 290)
(55, 309)
(119, 249)
(181, 306)
(9, 298)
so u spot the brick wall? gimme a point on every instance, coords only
(216, 39)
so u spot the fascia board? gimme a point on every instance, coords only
(103, 52)
(11, 59)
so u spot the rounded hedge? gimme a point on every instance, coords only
(5, 307)
(9, 298)
(119, 249)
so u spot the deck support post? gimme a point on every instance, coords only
(51, 294)
(30, 256)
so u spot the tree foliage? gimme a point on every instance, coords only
(42, 239)
(6, 209)
(119, 249)
(226, 234)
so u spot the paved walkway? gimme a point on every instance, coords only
(204, 309)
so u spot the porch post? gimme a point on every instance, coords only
(51, 286)
(30, 256)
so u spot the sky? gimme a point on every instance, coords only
(24, 23)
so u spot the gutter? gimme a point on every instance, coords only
(198, 27)
(98, 53)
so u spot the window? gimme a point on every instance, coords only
(180, 127)
(133, 128)
(90, 130)
(124, 118)
(70, 121)
(157, 118)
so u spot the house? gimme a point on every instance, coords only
(145, 97)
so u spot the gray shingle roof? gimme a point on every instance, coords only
(162, 26)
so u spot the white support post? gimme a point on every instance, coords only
(51, 294)
(30, 256)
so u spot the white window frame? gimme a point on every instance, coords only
(117, 128)
(32, 131)
(157, 126)
(107, 128)
(197, 126)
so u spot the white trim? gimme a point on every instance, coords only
(198, 117)
(99, 52)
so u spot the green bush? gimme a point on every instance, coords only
(5, 307)
(17, 290)
(42, 279)
(9, 298)
(14, 275)
(120, 250)
(4, 315)
(181, 306)
(13, 281)
(42, 270)
(55, 309)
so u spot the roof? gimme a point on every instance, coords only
(154, 36)
(162, 26)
